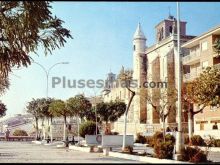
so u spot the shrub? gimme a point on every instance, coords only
(197, 140)
(157, 137)
(20, 132)
(149, 140)
(217, 142)
(112, 133)
(87, 128)
(140, 139)
(164, 150)
(115, 133)
(128, 149)
(169, 137)
(194, 155)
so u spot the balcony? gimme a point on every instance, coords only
(192, 75)
(191, 58)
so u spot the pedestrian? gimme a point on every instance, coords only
(7, 132)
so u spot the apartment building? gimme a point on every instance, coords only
(201, 54)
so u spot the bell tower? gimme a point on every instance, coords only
(139, 74)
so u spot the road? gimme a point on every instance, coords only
(26, 152)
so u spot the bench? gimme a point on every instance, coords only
(107, 142)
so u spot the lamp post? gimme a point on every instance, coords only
(48, 71)
(179, 108)
(47, 76)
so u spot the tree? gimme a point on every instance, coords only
(126, 79)
(110, 112)
(33, 108)
(19, 132)
(216, 46)
(43, 105)
(163, 101)
(79, 106)
(58, 108)
(3, 109)
(4, 84)
(25, 27)
(203, 91)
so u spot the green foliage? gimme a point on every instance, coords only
(25, 27)
(58, 108)
(164, 150)
(140, 139)
(207, 87)
(197, 140)
(20, 132)
(149, 140)
(4, 84)
(157, 136)
(87, 128)
(216, 46)
(80, 106)
(110, 111)
(33, 108)
(3, 109)
(217, 143)
(128, 149)
(194, 155)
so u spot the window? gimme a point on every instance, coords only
(134, 48)
(201, 126)
(204, 46)
(171, 29)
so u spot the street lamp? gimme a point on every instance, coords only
(47, 76)
(48, 71)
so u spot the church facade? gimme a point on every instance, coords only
(151, 64)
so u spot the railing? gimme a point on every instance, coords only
(193, 75)
(17, 138)
(190, 57)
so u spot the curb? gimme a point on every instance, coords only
(145, 159)
(83, 149)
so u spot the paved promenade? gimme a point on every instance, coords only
(26, 152)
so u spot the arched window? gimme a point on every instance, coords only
(134, 47)
(171, 29)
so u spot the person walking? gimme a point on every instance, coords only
(7, 133)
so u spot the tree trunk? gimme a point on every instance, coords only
(78, 128)
(164, 130)
(106, 128)
(190, 123)
(51, 133)
(37, 136)
(43, 129)
(64, 129)
(125, 119)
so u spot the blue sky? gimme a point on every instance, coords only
(102, 42)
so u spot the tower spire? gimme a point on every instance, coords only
(138, 33)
